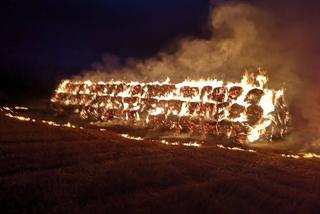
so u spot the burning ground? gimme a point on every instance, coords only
(63, 169)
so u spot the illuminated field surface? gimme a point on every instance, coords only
(48, 169)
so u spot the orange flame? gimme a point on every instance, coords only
(251, 94)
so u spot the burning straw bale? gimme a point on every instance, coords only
(246, 111)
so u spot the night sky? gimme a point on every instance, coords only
(44, 41)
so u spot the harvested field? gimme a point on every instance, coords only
(48, 169)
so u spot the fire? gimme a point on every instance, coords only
(245, 111)
(131, 137)
(11, 113)
(236, 149)
(22, 118)
(307, 155)
(177, 143)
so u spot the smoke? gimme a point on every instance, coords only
(244, 36)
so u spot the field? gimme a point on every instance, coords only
(46, 169)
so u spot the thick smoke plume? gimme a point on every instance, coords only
(244, 36)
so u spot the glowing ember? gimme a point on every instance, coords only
(235, 148)
(21, 108)
(18, 117)
(301, 155)
(245, 111)
(189, 144)
(14, 115)
(169, 143)
(131, 137)
(194, 144)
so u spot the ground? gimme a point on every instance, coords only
(46, 169)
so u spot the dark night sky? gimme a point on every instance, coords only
(44, 41)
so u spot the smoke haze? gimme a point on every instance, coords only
(280, 37)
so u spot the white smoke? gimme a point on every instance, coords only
(243, 36)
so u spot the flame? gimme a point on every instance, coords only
(307, 155)
(21, 108)
(236, 149)
(262, 111)
(15, 115)
(175, 143)
(9, 112)
(22, 118)
(131, 137)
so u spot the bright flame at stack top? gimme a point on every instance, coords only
(245, 111)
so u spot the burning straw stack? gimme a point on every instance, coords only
(244, 111)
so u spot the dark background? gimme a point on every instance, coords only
(42, 42)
